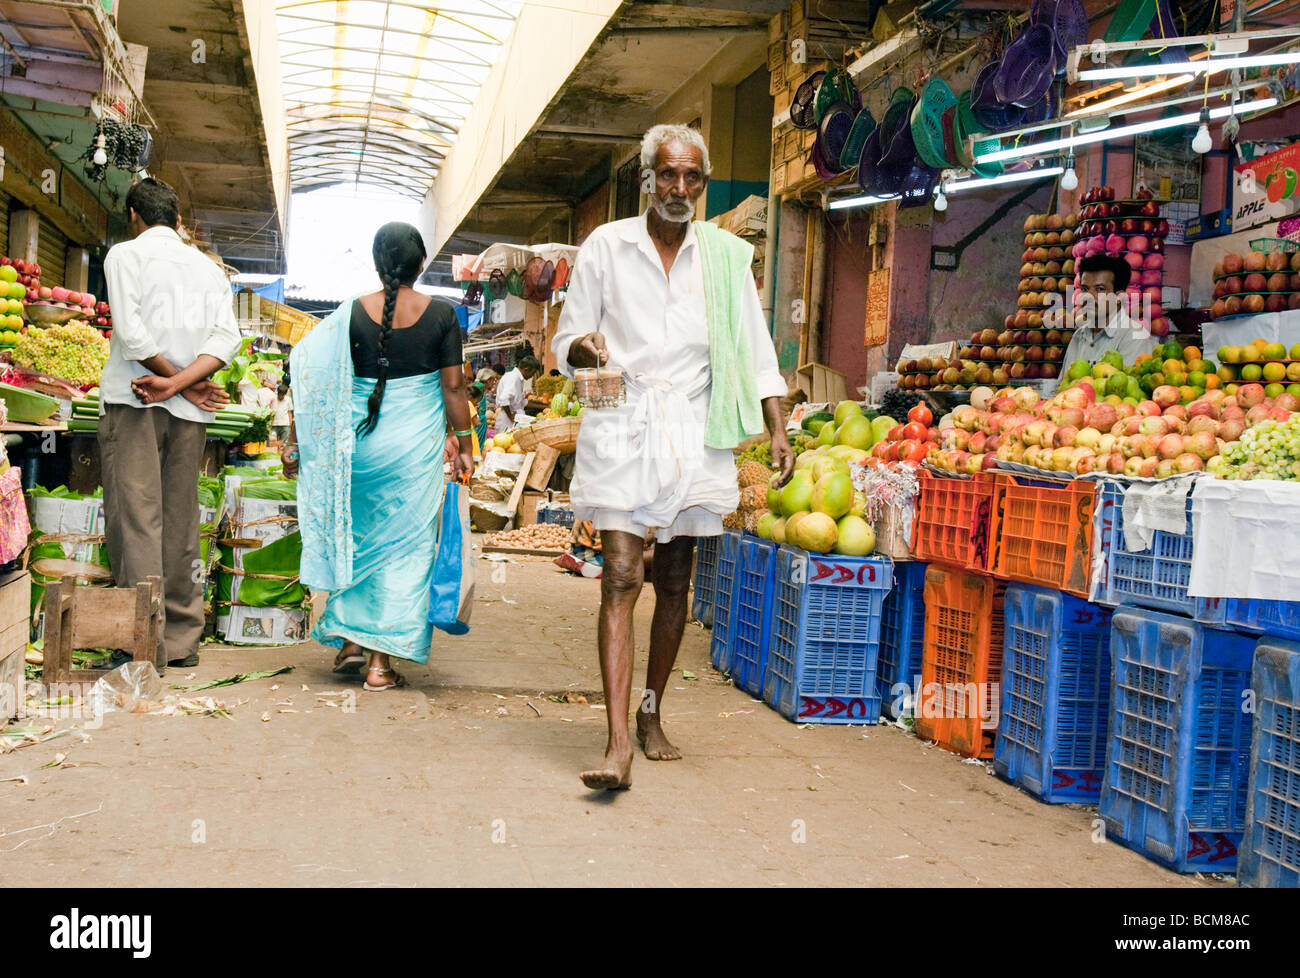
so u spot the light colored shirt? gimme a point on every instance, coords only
(656, 328)
(512, 399)
(1129, 337)
(283, 409)
(168, 299)
(654, 324)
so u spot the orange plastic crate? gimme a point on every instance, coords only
(961, 661)
(952, 520)
(1041, 531)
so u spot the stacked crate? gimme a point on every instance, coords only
(1177, 764)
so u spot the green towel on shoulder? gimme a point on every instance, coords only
(734, 410)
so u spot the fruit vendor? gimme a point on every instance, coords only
(174, 326)
(669, 305)
(1105, 324)
(512, 393)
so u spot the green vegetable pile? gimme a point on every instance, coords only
(232, 423)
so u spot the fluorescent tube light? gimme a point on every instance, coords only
(957, 186)
(863, 200)
(1210, 65)
(1133, 96)
(1151, 125)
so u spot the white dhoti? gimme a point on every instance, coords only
(644, 466)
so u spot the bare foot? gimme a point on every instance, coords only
(614, 773)
(653, 741)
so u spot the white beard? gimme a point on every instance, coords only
(662, 209)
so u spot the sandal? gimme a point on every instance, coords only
(398, 680)
(349, 665)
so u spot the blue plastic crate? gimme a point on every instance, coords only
(1277, 619)
(1055, 700)
(902, 633)
(704, 587)
(821, 667)
(751, 627)
(724, 605)
(1270, 848)
(1179, 751)
(1153, 578)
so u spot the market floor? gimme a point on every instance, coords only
(469, 777)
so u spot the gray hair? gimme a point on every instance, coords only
(658, 135)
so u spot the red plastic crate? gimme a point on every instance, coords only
(961, 661)
(952, 520)
(1042, 531)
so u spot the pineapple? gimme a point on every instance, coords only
(733, 521)
(754, 474)
(753, 498)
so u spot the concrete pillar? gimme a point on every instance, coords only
(718, 122)
(76, 274)
(24, 228)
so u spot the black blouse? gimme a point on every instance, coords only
(426, 346)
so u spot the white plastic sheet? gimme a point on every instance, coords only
(1244, 537)
(1153, 506)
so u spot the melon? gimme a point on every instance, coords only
(817, 533)
(855, 537)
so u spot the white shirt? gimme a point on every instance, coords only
(655, 325)
(1129, 337)
(283, 407)
(512, 398)
(168, 299)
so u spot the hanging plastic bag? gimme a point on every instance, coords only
(451, 593)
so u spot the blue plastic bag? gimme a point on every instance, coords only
(451, 593)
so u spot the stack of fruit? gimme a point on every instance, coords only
(1047, 269)
(1017, 353)
(819, 509)
(1134, 231)
(25, 273)
(1270, 364)
(1247, 285)
(103, 318)
(978, 429)
(938, 373)
(1169, 364)
(13, 296)
(75, 352)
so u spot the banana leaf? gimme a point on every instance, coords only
(268, 489)
(210, 492)
(282, 558)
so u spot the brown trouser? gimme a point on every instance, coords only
(150, 464)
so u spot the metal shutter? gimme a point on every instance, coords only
(51, 253)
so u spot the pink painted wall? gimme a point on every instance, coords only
(982, 290)
(843, 330)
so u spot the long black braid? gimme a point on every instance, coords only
(399, 257)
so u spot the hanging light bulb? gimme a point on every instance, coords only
(100, 157)
(1069, 179)
(940, 201)
(1201, 142)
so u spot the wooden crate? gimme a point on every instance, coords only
(15, 605)
(82, 617)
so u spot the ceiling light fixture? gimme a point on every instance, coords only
(957, 186)
(863, 200)
(1210, 65)
(1133, 95)
(1184, 119)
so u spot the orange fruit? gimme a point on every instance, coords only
(1211, 382)
(1191, 353)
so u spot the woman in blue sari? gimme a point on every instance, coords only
(376, 383)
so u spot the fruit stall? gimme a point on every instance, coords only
(1079, 589)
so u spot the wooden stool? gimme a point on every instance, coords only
(100, 617)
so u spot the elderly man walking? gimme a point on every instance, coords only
(671, 304)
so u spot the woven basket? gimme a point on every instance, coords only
(559, 433)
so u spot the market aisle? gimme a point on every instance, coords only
(457, 780)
